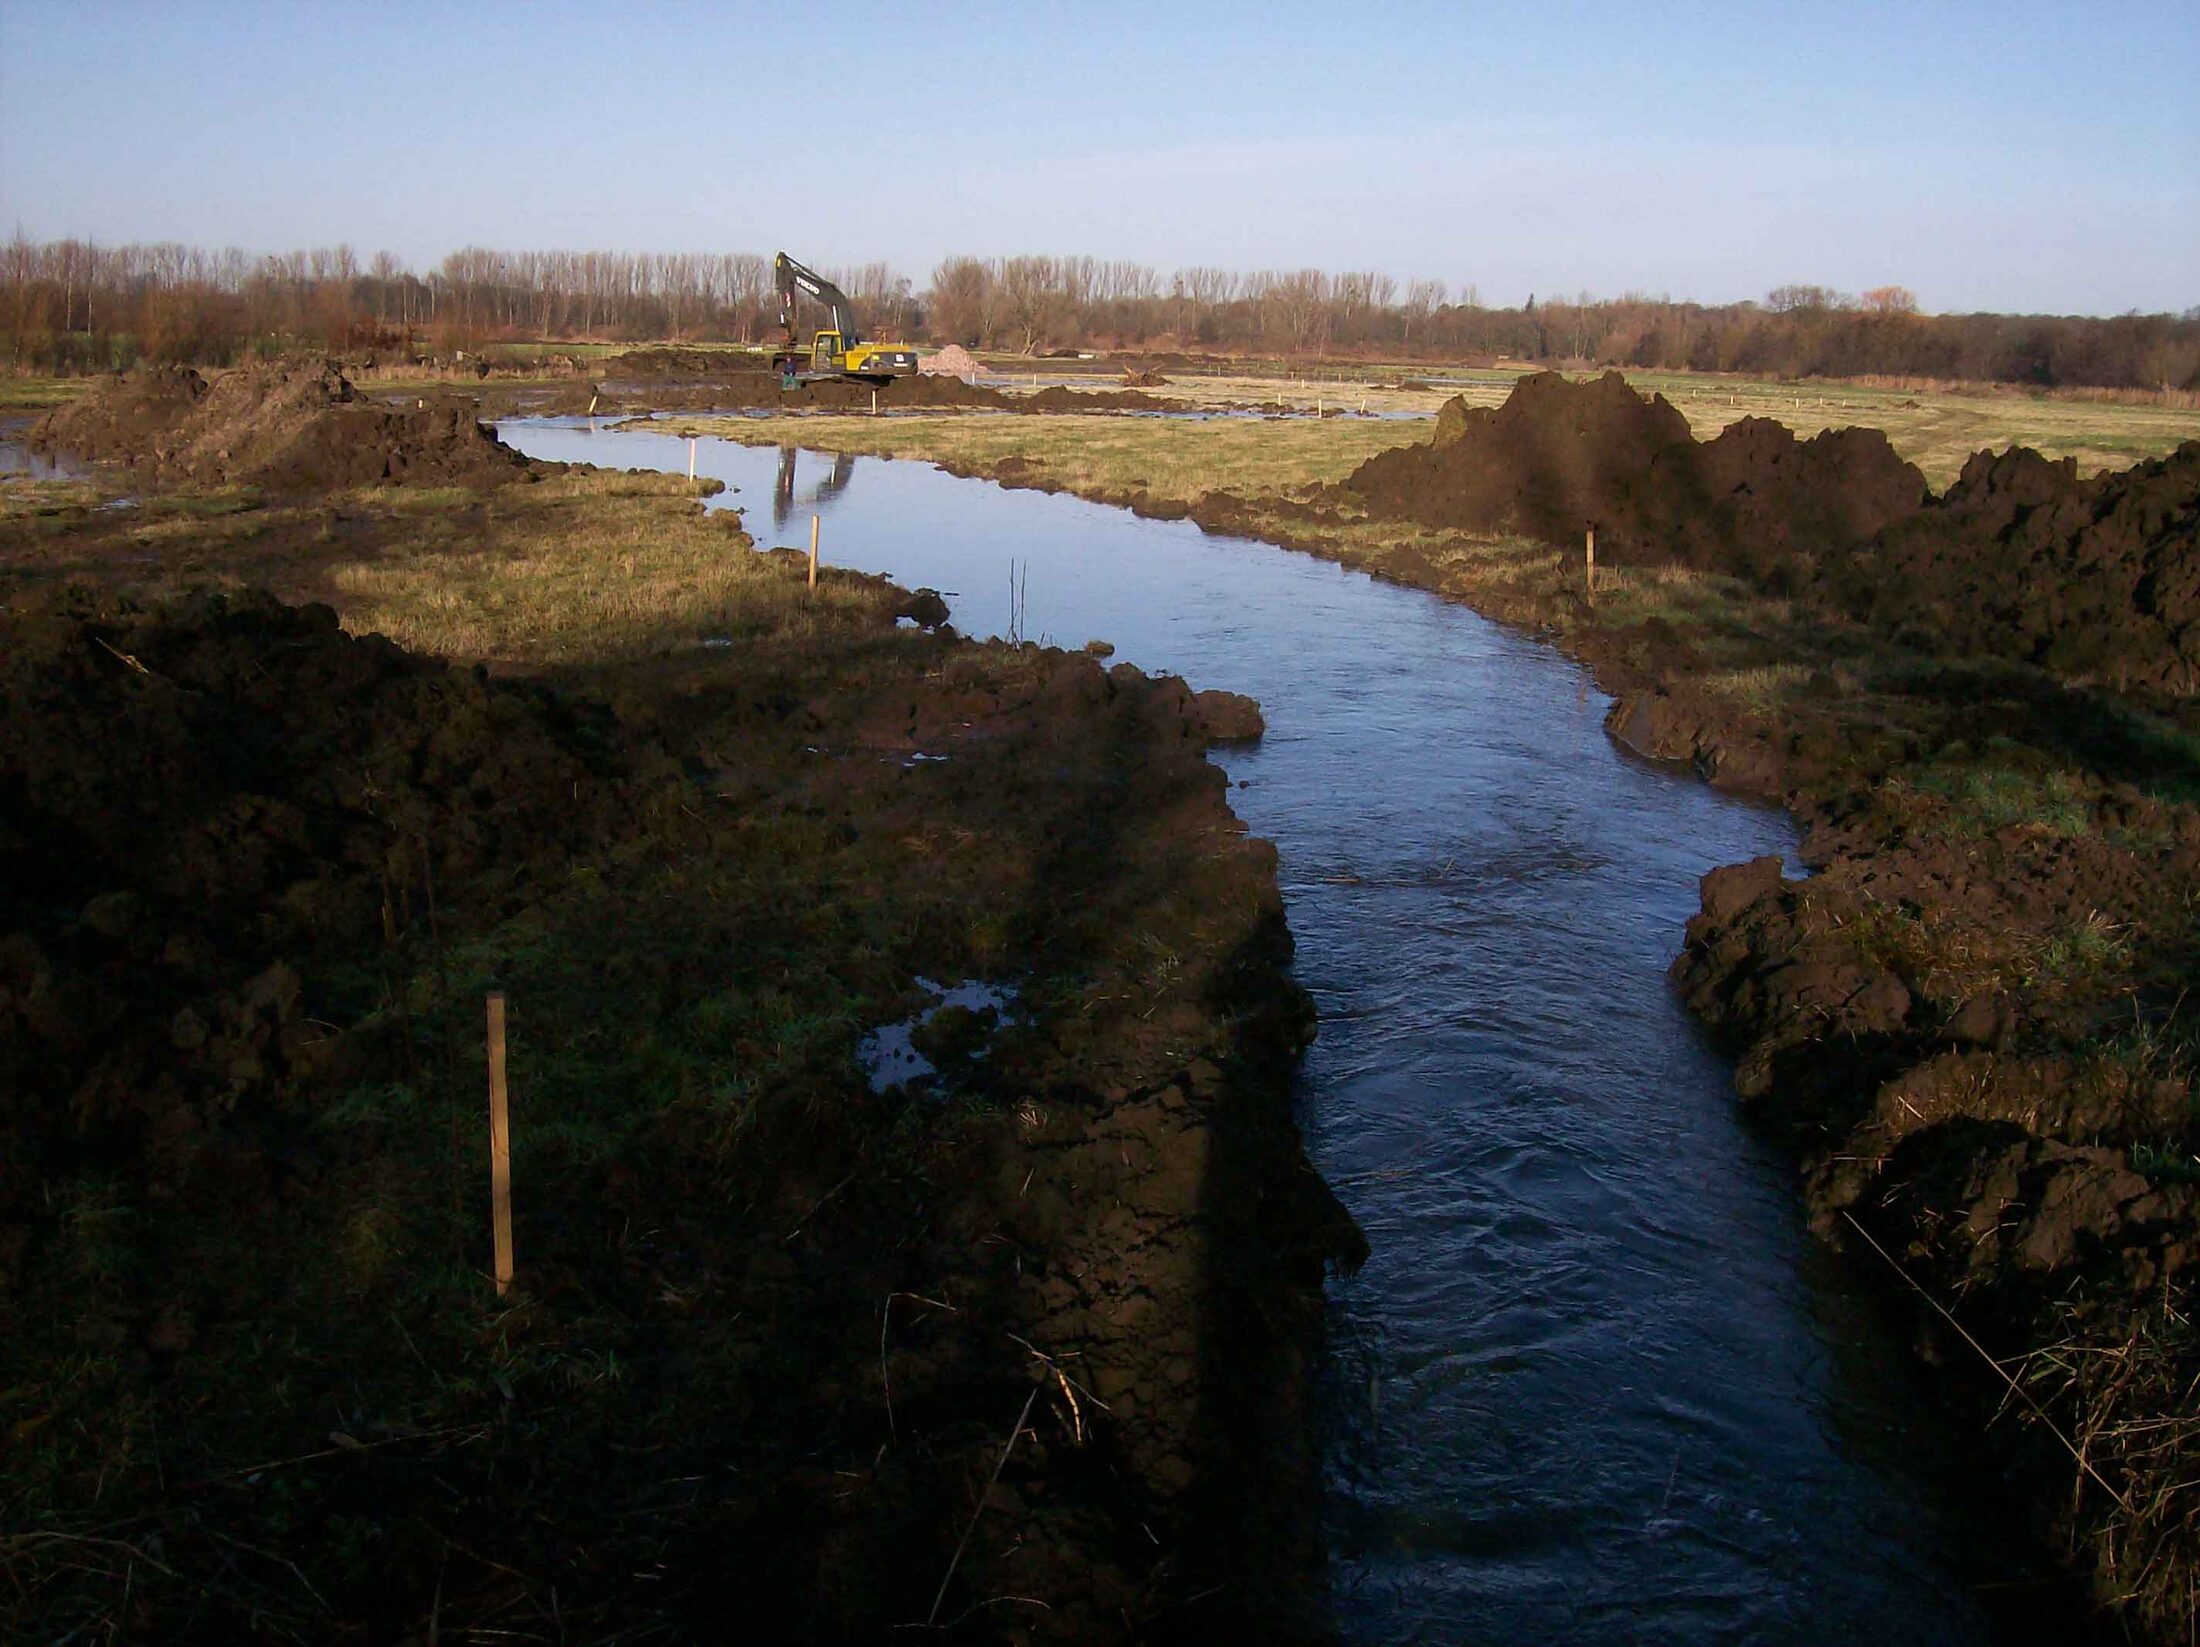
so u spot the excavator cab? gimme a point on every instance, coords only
(826, 351)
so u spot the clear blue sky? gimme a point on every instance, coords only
(2014, 156)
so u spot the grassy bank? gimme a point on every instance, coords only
(771, 1325)
(1937, 429)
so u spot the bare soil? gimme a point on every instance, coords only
(284, 427)
(663, 379)
(2089, 577)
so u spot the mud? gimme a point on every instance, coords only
(204, 801)
(286, 428)
(1056, 400)
(2091, 578)
(1559, 458)
(660, 380)
(267, 868)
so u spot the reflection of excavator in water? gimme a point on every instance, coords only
(844, 465)
(837, 354)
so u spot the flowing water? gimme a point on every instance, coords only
(1596, 1383)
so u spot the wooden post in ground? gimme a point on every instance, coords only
(813, 551)
(691, 463)
(1589, 561)
(500, 1148)
(874, 403)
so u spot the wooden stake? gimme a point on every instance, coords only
(874, 403)
(500, 1148)
(592, 399)
(691, 464)
(1589, 559)
(813, 551)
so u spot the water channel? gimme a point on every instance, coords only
(1596, 1383)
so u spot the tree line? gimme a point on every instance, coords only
(70, 305)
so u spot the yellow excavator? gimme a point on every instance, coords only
(839, 354)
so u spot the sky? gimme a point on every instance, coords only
(2016, 157)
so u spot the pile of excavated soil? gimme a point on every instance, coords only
(1058, 399)
(700, 380)
(952, 361)
(1133, 378)
(289, 428)
(123, 417)
(1561, 458)
(2094, 579)
(198, 799)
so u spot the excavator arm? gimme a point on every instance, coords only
(795, 277)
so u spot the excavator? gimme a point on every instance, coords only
(840, 354)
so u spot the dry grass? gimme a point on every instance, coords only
(582, 568)
(1091, 456)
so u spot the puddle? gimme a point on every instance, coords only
(17, 460)
(966, 1015)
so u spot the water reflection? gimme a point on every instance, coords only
(784, 500)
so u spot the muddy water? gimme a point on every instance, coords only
(1594, 1384)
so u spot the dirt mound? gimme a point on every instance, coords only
(1058, 400)
(952, 361)
(124, 417)
(2092, 579)
(1559, 458)
(667, 362)
(693, 380)
(1133, 378)
(286, 427)
(260, 773)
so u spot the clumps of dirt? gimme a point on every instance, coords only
(123, 417)
(646, 364)
(705, 380)
(1057, 399)
(285, 427)
(1973, 1125)
(952, 361)
(1133, 378)
(259, 776)
(260, 872)
(2093, 579)
(1228, 717)
(1560, 458)
(694, 380)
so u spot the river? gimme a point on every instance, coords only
(1596, 1383)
